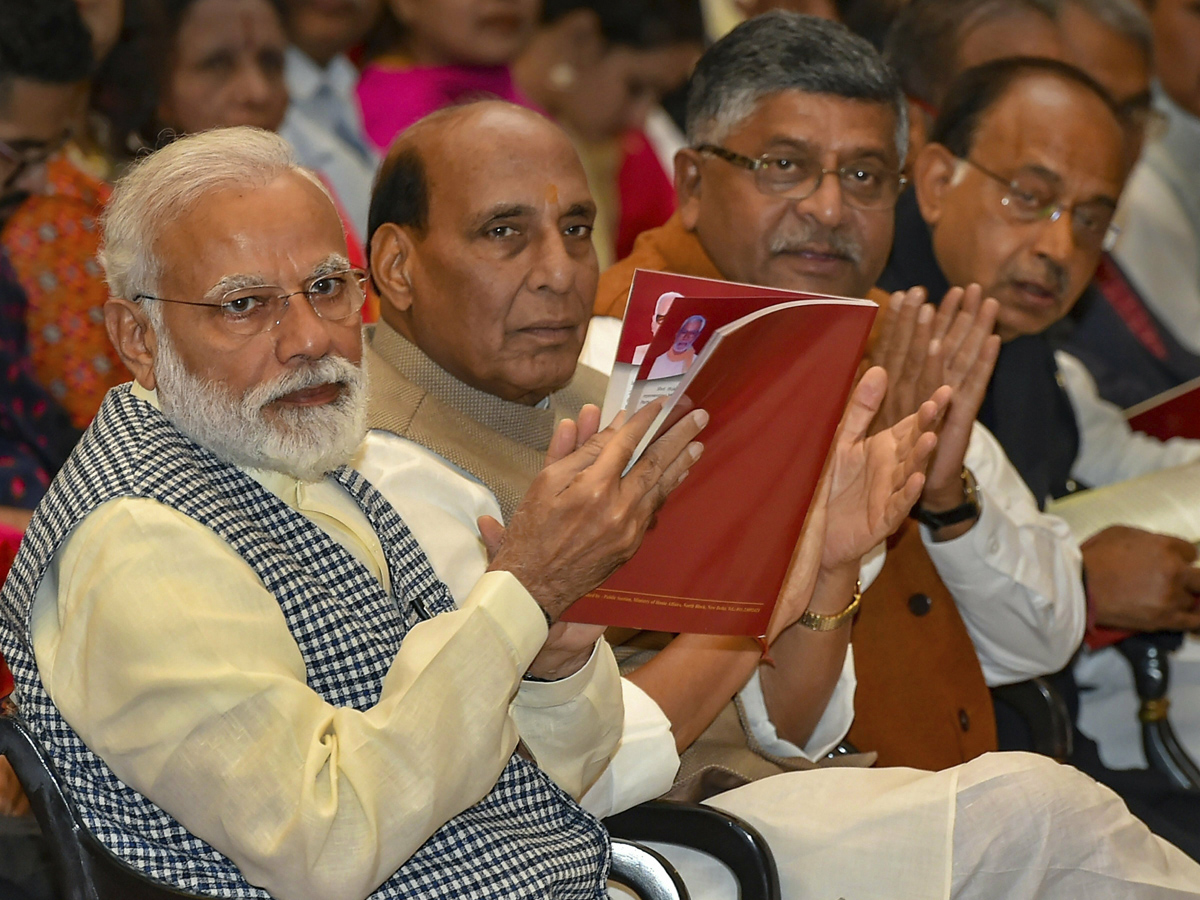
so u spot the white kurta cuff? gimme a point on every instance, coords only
(834, 723)
(645, 763)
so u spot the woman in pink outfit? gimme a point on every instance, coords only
(440, 52)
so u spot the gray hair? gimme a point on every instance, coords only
(1126, 17)
(161, 187)
(784, 51)
(922, 43)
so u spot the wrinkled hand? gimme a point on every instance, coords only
(1142, 581)
(580, 520)
(874, 481)
(569, 645)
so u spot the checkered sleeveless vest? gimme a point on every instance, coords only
(526, 838)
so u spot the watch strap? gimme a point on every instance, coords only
(968, 509)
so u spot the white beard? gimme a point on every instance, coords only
(305, 442)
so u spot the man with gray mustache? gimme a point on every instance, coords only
(250, 679)
(798, 135)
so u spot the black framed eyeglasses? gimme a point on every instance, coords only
(868, 184)
(1030, 197)
(333, 296)
(25, 154)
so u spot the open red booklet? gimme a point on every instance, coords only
(1173, 413)
(773, 369)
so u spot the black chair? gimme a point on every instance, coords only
(719, 834)
(1041, 707)
(1149, 655)
(88, 870)
(646, 872)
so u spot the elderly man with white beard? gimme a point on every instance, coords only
(240, 660)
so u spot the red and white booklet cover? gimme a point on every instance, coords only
(774, 370)
(1173, 413)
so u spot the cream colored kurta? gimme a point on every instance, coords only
(171, 660)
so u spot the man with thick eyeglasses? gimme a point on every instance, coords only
(248, 676)
(866, 184)
(1015, 191)
(779, 221)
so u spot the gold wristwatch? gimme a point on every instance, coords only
(817, 622)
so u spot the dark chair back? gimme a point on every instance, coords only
(86, 869)
(719, 834)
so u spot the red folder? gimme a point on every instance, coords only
(775, 388)
(1173, 413)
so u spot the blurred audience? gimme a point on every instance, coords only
(1158, 249)
(428, 54)
(45, 58)
(600, 67)
(323, 122)
(53, 238)
(870, 19)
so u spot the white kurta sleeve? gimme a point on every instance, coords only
(645, 764)
(441, 504)
(171, 660)
(1015, 575)
(1109, 450)
(833, 725)
(838, 716)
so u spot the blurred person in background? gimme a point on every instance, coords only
(1159, 245)
(52, 238)
(600, 67)
(1122, 329)
(45, 59)
(223, 65)
(932, 41)
(323, 123)
(867, 18)
(427, 54)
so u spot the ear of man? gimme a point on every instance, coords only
(687, 186)
(133, 336)
(391, 260)
(933, 177)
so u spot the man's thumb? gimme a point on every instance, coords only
(492, 533)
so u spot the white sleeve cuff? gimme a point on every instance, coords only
(645, 763)
(544, 694)
(833, 726)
